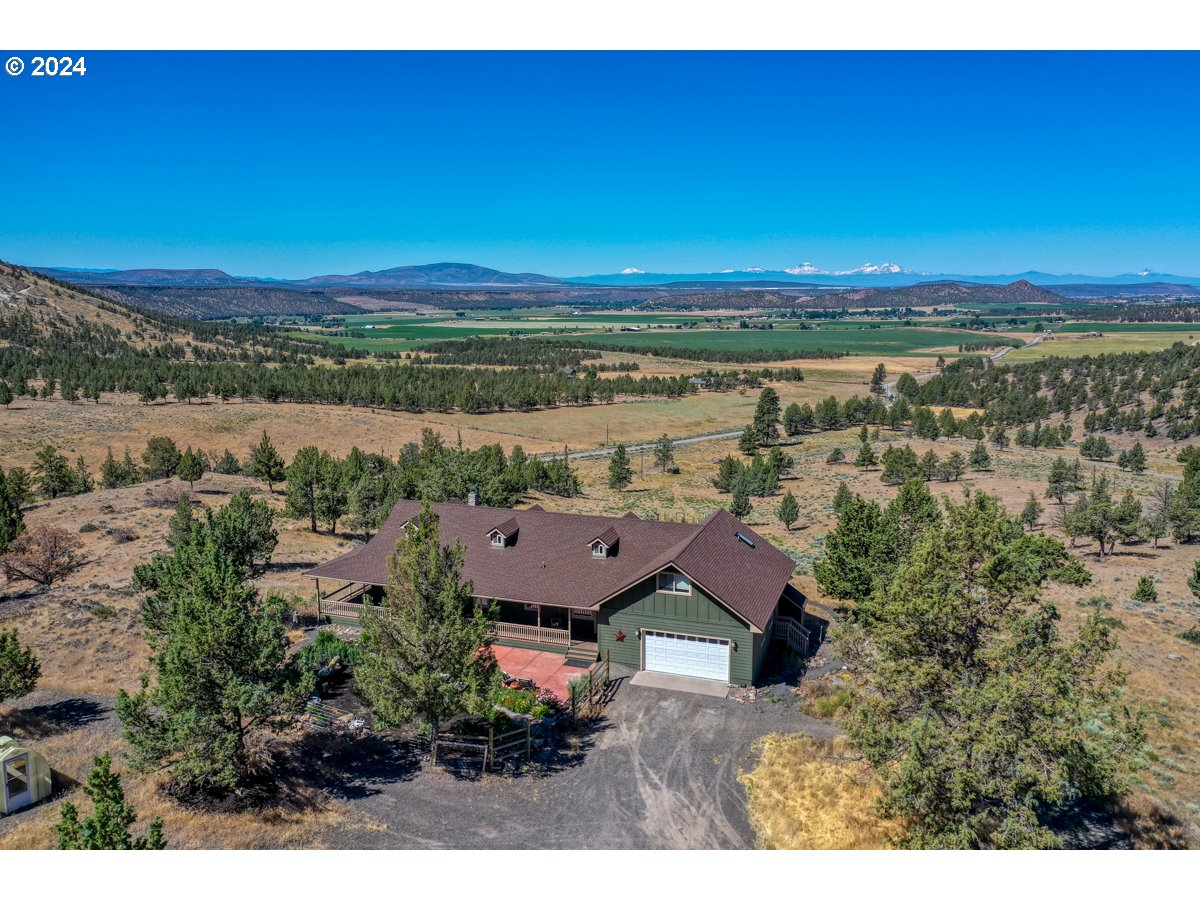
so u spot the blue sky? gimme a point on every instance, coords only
(302, 164)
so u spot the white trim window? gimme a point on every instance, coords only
(497, 539)
(673, 583)
(599, 549)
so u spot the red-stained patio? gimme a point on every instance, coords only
(551, 671)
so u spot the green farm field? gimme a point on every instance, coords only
(1115, 340)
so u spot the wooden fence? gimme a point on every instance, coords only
(491, 749)
(531, 633)
(589, 691)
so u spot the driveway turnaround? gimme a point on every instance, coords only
(660, 770)
(667, 682)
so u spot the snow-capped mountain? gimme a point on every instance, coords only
(806, 268)
(887, 268)
(630, 270)
(755, 270)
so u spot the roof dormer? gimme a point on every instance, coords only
(504, 534)
(604, 544)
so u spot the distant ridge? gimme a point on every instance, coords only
(467, 276)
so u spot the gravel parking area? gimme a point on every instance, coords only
(659, 771)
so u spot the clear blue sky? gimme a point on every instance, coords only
(302, 164)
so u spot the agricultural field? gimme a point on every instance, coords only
(1120, 338)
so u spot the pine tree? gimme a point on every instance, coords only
(789, 510)
(928, 465)
(190, 467)
(998, 437)
(228, 464)
(12, 520)
(220, 662)
(421, 647)
(620, 474)
(1135, 459)
(878, 377)
(107, 828)
(266, 464)
(664, 452)
(303, 483)
(111, 475)
(767, 416)
(979, 460)
(726, 473)
(1145, 592)
(19, 668)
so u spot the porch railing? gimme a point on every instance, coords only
(340, 608)
(789, 630)
(533, 634)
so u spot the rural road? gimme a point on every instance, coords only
(889, 387)
(646, 446)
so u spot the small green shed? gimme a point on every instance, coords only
(24, 776)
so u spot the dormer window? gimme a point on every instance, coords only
(604, 544)
(504, 534)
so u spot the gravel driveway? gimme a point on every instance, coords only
(660, 771)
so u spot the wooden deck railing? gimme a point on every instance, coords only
(556, 636)
(789, 630)
(339, 608)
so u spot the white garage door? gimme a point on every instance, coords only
(683, 655)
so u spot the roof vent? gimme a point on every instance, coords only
(745, 540)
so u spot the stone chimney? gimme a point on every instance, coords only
(472, 497)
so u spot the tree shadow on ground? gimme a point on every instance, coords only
(350, 766)
(39, 722)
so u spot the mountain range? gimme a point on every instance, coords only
(457, 276)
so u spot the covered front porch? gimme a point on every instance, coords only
(542, 627)
(565, 629)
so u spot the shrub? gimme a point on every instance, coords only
(327, 647)
(1192, 635)
(516, 700)
(88, 528)
(101, 611)
(122, 534)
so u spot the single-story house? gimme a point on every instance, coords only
(703, 600)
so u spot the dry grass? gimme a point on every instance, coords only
(806, 794)
(298, 817)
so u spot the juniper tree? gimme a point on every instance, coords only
(228, 464)
(620, 473)
(19, 668)
(190, 467)
(877, 379)
(266, 464)
(979, 460)
(846, 571)
(664, 452)
(998, 437)
(1145, 592)
(975, 713)
(12, 520)
(422, 659)
(789, 510)
(303, 484)
(1031, 512)
(219, 660)
(749, 440)
(108, 827)
(160, 458)
(739, 505)
(53, 473)
(866, 456)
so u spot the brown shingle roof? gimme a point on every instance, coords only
(551, 563)
(609, 536)
(507, 528)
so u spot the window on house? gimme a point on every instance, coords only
(497, 539)
(598, 549)
(673, 583)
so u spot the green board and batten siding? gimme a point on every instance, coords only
(642, 606)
